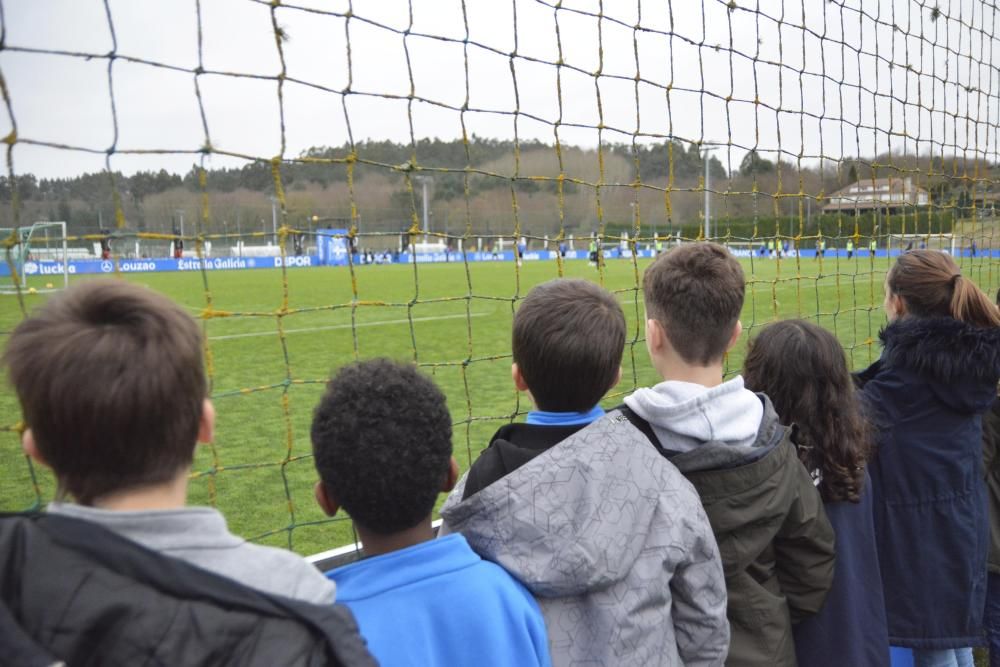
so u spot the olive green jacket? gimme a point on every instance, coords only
(776, 543)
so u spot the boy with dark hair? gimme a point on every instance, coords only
(579, 505)
(113, 391)
(776, 541)
(567, 344)
(382, 443)
(112, 385)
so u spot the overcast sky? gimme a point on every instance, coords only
(928, 84)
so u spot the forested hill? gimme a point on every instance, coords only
(483, 154)
(239, 196)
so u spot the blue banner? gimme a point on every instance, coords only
(335, 250)
(92, 266)
(331, 245)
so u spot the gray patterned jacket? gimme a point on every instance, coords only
(614, 543)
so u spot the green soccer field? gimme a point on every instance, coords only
(454, 319)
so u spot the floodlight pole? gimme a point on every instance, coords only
(423, 183)
(274, 218)
(708, 201)
(423, 197)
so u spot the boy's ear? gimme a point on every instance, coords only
(451, 479)
(325, 500)
(206, 423)
(30, 447)
(655, 335)
(737, 331)
(515, 375)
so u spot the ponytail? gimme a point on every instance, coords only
(931, 285)
(969, 304)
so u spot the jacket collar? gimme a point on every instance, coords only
(396, 569)
(715, 455)
(943, 349)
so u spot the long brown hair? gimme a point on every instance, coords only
(931, 285)
(802, 368)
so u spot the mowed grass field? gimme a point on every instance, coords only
(268, 369)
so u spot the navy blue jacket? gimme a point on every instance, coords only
(850, 629)
(926, 396)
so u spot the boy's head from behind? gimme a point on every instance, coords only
(381, 438)
(112, 386)
(567, 344)
(694, 293)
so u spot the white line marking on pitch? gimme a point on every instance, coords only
(346, 326)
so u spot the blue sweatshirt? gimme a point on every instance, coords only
(438, 603)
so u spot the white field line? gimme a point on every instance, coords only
(331, 327)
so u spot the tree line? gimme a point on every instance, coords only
(473, 183)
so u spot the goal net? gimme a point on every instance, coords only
(322, 182)
(37, 258)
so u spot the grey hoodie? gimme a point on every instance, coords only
(199, 536)
(705, 428)
(614, 543)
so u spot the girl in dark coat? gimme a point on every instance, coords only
(991, 463)
(938, 374)
(802, 368)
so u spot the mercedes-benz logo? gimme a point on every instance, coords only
(107, 266)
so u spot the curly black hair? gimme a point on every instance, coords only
(381, 438)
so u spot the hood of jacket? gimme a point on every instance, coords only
(961, 362)
(512, 446)
(91, 596)
(709, 428)
(518, 443)
(573, 519)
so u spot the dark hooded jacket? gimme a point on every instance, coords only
(926, 396)
(851, 627)
(511, 447)
(73, 591)
(991, 462)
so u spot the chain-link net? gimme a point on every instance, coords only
(817, 139)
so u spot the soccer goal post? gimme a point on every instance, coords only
(37, 252)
